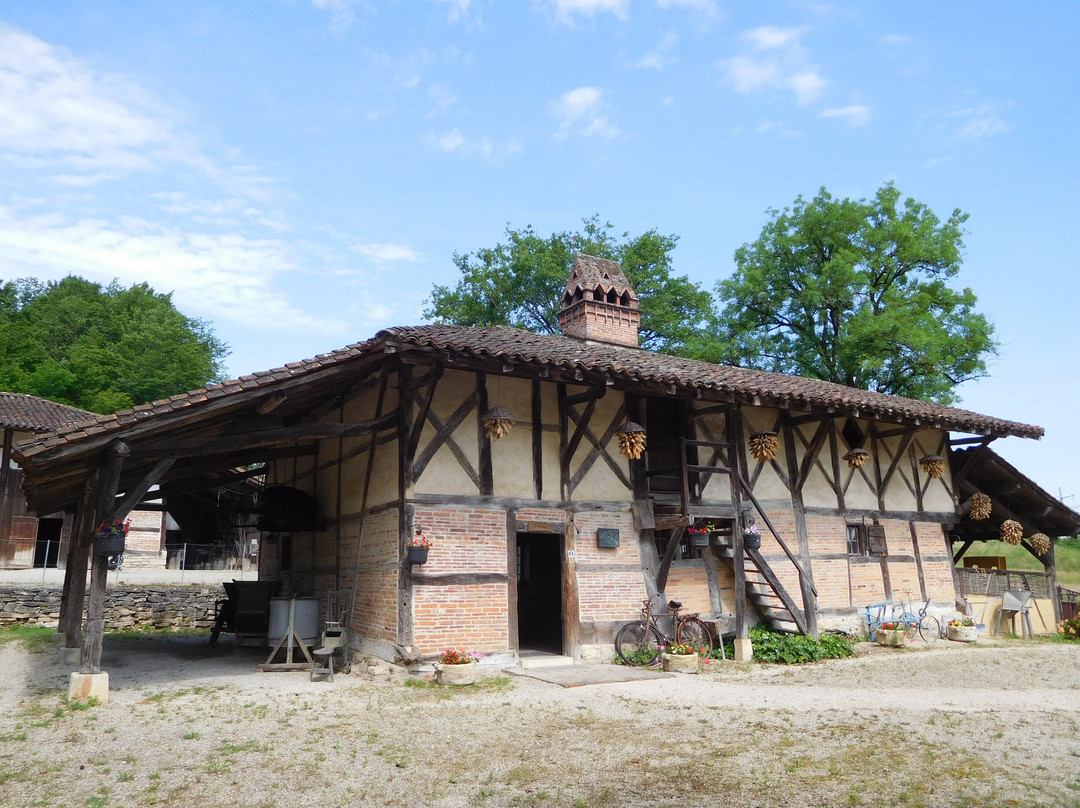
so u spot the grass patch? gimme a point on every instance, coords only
(35, 638)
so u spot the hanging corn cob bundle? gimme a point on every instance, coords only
(763, 446)
(856, 457)
(631, 440)
(934, 465)
(497, 422)
(980, 506)
(1040, 543)
(1011, 531)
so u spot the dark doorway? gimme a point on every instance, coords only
(47, 548)
(664, 425)
(539, 592)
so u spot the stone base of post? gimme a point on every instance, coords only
(82, 686)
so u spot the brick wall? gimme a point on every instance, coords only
(464, 539)
(375, 597)
(471, 617)
(610, 583)
(689, 585)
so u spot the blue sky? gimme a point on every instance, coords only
(301, 172)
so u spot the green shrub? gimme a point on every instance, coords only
(793, 649)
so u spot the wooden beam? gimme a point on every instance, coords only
(134, 495)
(669, 554)
(218, 444)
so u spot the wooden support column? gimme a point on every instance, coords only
(405, 514)
(73, 595)
(6, 505)
(734, 430)
(571, 606)
(95, 609)
(798, 477)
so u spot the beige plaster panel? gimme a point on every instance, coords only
(511, 457)
(768, 485)
(600, 483)
(549, 403)
(384, 488)
(444, 474)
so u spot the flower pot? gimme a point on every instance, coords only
(963, 633)
(464, 674)
(892, 638)
(681, 663)
(752, 541)
(417, 555)
(109, 543)
(699, 539)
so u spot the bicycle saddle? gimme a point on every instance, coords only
(674, 604)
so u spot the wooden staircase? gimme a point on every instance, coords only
(764, 590)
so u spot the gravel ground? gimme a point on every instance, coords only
(187, 725)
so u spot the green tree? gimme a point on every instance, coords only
(520, 283)
(859, 293)
(102, 349)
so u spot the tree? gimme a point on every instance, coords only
(102, 349)
(858, 293)
(521, 283)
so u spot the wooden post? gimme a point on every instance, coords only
(6, 505)
(95, 608)
(73, 595)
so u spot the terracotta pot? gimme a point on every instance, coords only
(963, 633)
(464, 674)
(681, 663)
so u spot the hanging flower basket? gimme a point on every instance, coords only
(751, 538)
(417, 555)
(109, 538)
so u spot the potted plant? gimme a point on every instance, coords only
(417, 548)
(751, 537)
(895, 634)
(457, 667)
(680, 658)
(110, 536)
(962, 629)
(699, 536)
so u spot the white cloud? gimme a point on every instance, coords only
(54, 105)
(442, 98)
(856, 115)
(978, 121)
(583, 111)
(566, 10)
(706, 9)
(220, 276)
(459, 9)
(658, 59)
(454, 142)
(385, 253)
(776, 60)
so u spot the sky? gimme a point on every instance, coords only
(300, 173)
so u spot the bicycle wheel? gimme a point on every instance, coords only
(696, 634)
(930, 628)
(637, 644)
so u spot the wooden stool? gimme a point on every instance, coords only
(325, 655)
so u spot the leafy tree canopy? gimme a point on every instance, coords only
(858, 293)
(101, 349)
(520, 283)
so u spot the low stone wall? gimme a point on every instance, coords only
(159, 607)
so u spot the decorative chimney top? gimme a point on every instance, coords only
(598, 304)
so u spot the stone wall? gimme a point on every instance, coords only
(157, 607)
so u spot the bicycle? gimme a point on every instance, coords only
(639, 642)
(928, 626)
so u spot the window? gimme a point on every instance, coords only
(856, 540)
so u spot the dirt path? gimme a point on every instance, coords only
(191, 726)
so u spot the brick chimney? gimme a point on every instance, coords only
(598, 304)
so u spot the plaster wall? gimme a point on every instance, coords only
(444, 473)
(600, 483)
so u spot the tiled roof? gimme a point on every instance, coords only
(539, 350)
(756, 385)
(24, 413)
